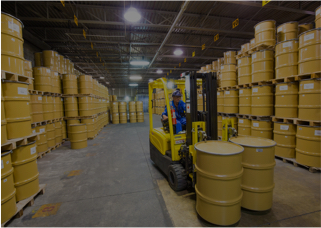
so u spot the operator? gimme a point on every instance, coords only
(180, 109)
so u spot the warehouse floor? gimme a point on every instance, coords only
(113, 182)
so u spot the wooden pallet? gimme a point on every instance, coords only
(260, 83)
(297, 164)
(12, 144)
(56, 146)
(243, 54)
(253, 117)
(248, 85)
(260, 47)
(308, 76)
(36, 92)
(227, 114)
(40, 155)
(283, 119)
(80, 117)
(226, 88)
(5, 75)
(283, 80)
(26, 203)
(52, 94)
(243, 116)
(312, 123)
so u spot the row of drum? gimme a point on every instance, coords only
(122, 117)
(121, 106)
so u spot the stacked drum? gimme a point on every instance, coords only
(140, 111)
(28, 73)
(262, 65)
(122, 107)
(245, 95)
(244, 70)
(231, 101)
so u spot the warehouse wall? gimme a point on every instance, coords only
(130, 94)
(29, 51)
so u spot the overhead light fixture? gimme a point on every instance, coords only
(150, 80)
(101, 77)
(170, 85)
(139, 63)
(132, 15)
(135, 77)
(127, 98)
(178, 52)
(133, 84)
(159, 71)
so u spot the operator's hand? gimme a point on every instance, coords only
(165, 117)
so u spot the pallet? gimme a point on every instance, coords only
(312, 123)
(260, 47)
(297, 164)
(283, 119)
(80, 117)
(226, 88)
(36, 92)
(247, 85)
(91, 138)
(26, 203)
(56, 146)
(5, 75)
(227, 114)
(52, 94)
(284, 80)
(294, 78)
(243, 116)
(243, 54)
(260, 83)
(41, 154)
(253, 117)
(14, 143)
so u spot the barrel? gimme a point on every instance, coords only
(51, 135)
(38, 59)
(308, 145)
(27, 66)
(8, 191)
(286, 58)
(58, 132)
(42, 76)
(72, 67)
(70, 122)
(219, 126)
(252, 43)
(284, 136)
(70, 84)
(262, 65)
(132, 106)
(262, 100)
(115, 118)
(214, 65)
(77, 136)
(218, 187)
(228, 75)
(208, 67)
(25, 173)
(123, 117)
(114, 106)
(244, 70)
(56, 111)
(140, 117)
(286, 100)
(61, 70)
(67, 66)
(318, 17)
(220, 101)
(287, 31)
(12, 56)
(245, 47)
(90, 123)
(50, 59)
(258, 165)
(56, 82)
(85, 84)
(63, 129)
(265, 33)
(42, 145)
(36, 108)
(86, 106)
(71, 106)
(4, 137)
(48, 107)
(230, 57)
(262, 128)
(139, 106)
(132, 117)
(245, 101)
(122, 106)
(17, 108)
(305, 27)
(244, 127)
(231, 101)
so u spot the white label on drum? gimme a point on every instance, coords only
(259, 150)
(279, 29)
(227, 92)
(240, 61)
(23, 91)
(48, 70)
(62, 99)
(255, 90)
(1, 164)
(33, 150)
(240, 121)
(284, 87)
(13, 40)
(309, 37)
(39, 98)
(287, 44)
(309, 86)
(222, 67)
(93, 120)
(56, 74)
(257, 27)
(300, 128)
(318, 11)
(42, 130)
(317, 132)
(218, 93)
(284, 127)
(13, 26)
(34, 131)
(241, 91)
(252, 41)
(5, 180)
(255, 124)
(254, 56)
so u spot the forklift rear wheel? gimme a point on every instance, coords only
(177, 177)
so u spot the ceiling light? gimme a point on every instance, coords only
(132, 15)
(127, 98)
(101, 77)
(178, 52)
(135, 77)
(150, 80)
(139, 63)
(159, 71)
(133, 84)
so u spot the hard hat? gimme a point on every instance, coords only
(176, 93)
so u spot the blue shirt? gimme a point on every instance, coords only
(179, 110)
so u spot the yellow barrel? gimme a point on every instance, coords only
(220, 101)
(115, 118)
(86, 106)
(63, 129)
(4, 137)
(252, 43)
(90, 123)
(139, 106)
(8, 191)
(308, 145)
(262, 65)
(17, 108)
(310, 52)
(228, 75)
(48, 107)
(38, 59)
(286, 58)
(42, 145)
(114, 97)
(262, 100)
(114, 106)
(258, 165)
(214, 65)
(132, 117)
(244, 127)
(230, 57)
(286, 100)
(50, 59)
(245, 101)
(42, 76)
(51, 135)
(287, 31)
(265, 33)
(27, 66)
(318, 17)
(219, 126)
(57, 107)
(77, 136)
(132, 106)
(123, 117)
(36, 108)
(70, 84)
(245, 47)
(262, 128)
(218, 186)
(284, 136)
(310, 99)
(122, 106)
(56, 82)
(58, 132)
(70, 122)
(71, 106)
(231, 101)
(85, 84)
(72, 68)
(140, 117)
(244, 70)
(67, 66)
(305, 27)
(25, 173)
(62, 64)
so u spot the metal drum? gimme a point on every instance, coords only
(72, 68)
(245, 101)
(8, 191)
(218, 188)
(257, 180)
(310, 51)
(132, 117)
(140, 117)
(56, 82)
(58, 132)
(70, 122)
(71, 106)
(4, 137)
(265, 33)
(114, 106)
(287, 31)
(286, 100)
(132, 106)
(114, 97)
(86, 106)
(310, 99)
(57, 107)
(90, 123)
(228, 75)
(214, 65)
(220, 101)
(244, 127)
(85, 84)
(42, 145)
(262, 65)
(27, 66)
(69, 82)
(230, 57)
(252, 43)
(123, 117)
(63, 129)
(115, 118)
(38, 59)
(36, 108)
(262, 100)
(305, 27)
(284, 136)
(42, 76)
(286, 58)
(139, 106)
(48, 107)
(308, 145)
(244, 70)
(62, 64)
(25, 173)
(122, 106)
(245, 47)
(50, 59)
(17, 108)
(219, 126)
(231, 101)
(77, 136)
(67, 66)
(51, 135)
(262, 128)
(318, 17)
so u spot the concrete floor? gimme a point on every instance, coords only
(115, 183)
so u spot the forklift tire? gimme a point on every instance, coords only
(177, 177)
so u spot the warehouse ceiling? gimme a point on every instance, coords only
(164, 27)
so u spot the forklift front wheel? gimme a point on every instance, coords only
(177, 177)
